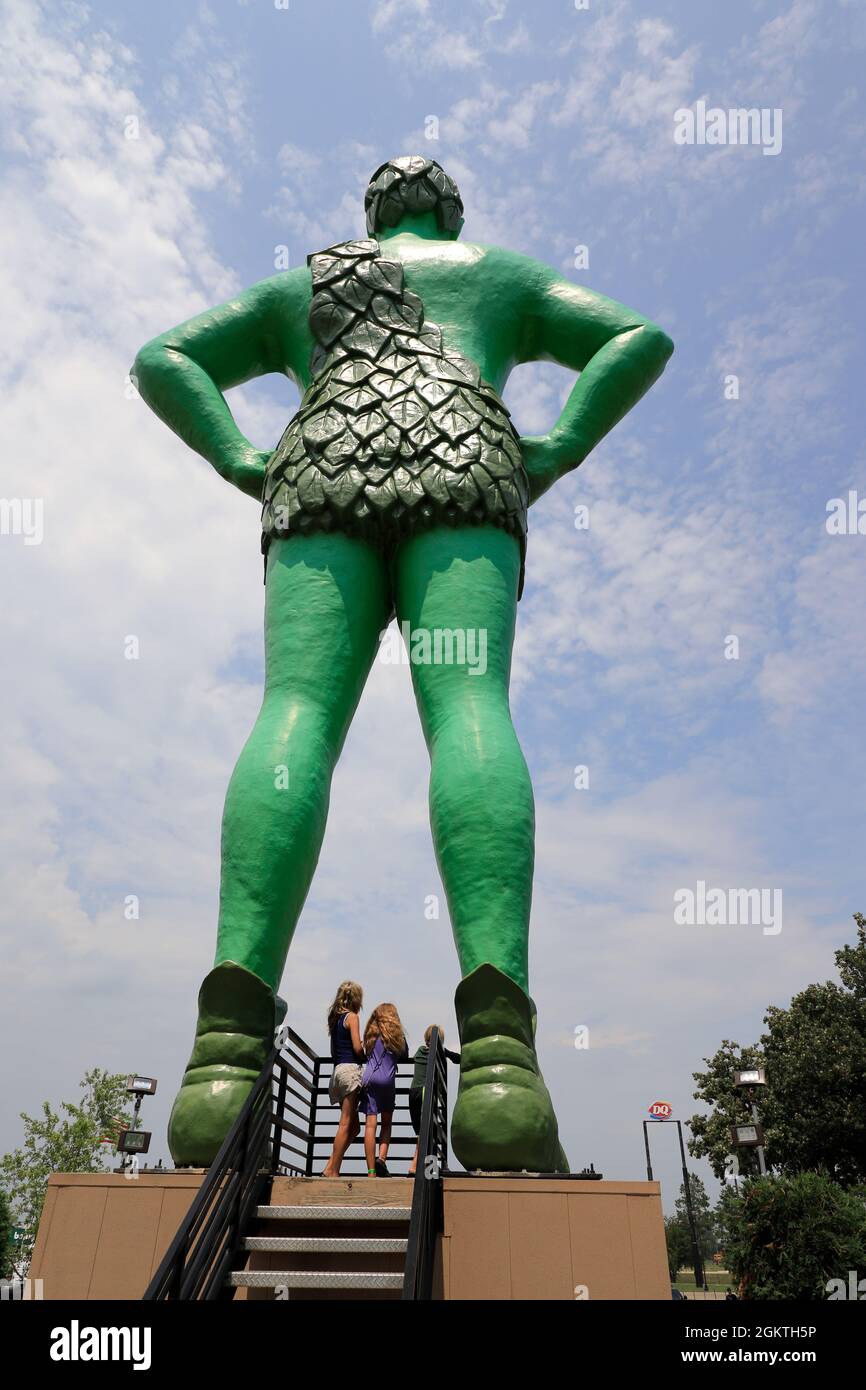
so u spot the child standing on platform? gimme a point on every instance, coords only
(385, 1046)
(416, 1090)
(347, 1054)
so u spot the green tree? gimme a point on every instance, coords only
(679, 1245)
(67, 1141)
(724, 1214)
(711, 1134)
(787, 1237)
(815, 1051)
(6, 1251)
(851, 961)
(814, 1106)
(815, 1111)
(705, 1226)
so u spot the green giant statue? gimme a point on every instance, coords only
(400, 487)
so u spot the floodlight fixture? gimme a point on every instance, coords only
(751, 1076)
(133, 1141)
(750, 1136)
(141, 1085)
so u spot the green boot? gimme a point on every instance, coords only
(237, 1015)
(503, 1120)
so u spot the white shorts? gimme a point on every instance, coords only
(345, 1080)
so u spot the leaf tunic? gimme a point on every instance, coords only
(395, 433)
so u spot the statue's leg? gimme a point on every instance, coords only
(481, 806)
(462, 583)
(326, 603)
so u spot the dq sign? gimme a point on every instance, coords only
(660, 1110)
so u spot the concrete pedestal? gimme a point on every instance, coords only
(103, 1235)
(505, 1238)
(514, 1237)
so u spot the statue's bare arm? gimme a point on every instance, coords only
(618, 353)
(182, 374)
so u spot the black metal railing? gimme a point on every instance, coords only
(200, 1257)
(287, 1126)
(304, 1095)
(426, 1218)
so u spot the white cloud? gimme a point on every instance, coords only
(415, 33)
(822, 658)
(103, 245)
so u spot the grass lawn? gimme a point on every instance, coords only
(717, 1279)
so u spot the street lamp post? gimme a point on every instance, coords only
(750, 1079)
(134, 1141)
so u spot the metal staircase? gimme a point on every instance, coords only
(263, 1225)
(329, 1238)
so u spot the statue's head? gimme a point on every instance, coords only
(411, 186)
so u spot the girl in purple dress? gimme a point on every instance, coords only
(385, 1046)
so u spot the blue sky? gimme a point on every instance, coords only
(257, 129)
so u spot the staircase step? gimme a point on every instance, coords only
(321, 1245)
(333, 1213)
(320, 1192)
(312, 1279)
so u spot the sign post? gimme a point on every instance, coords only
(661, 1112)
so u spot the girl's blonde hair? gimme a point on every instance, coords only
(347, 1000)
(384, 1022)
(434, 1028)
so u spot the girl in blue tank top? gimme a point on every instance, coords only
(347, 1054)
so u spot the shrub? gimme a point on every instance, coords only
(787, 1237)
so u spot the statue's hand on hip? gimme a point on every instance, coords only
(545, 462)
(246, 470)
